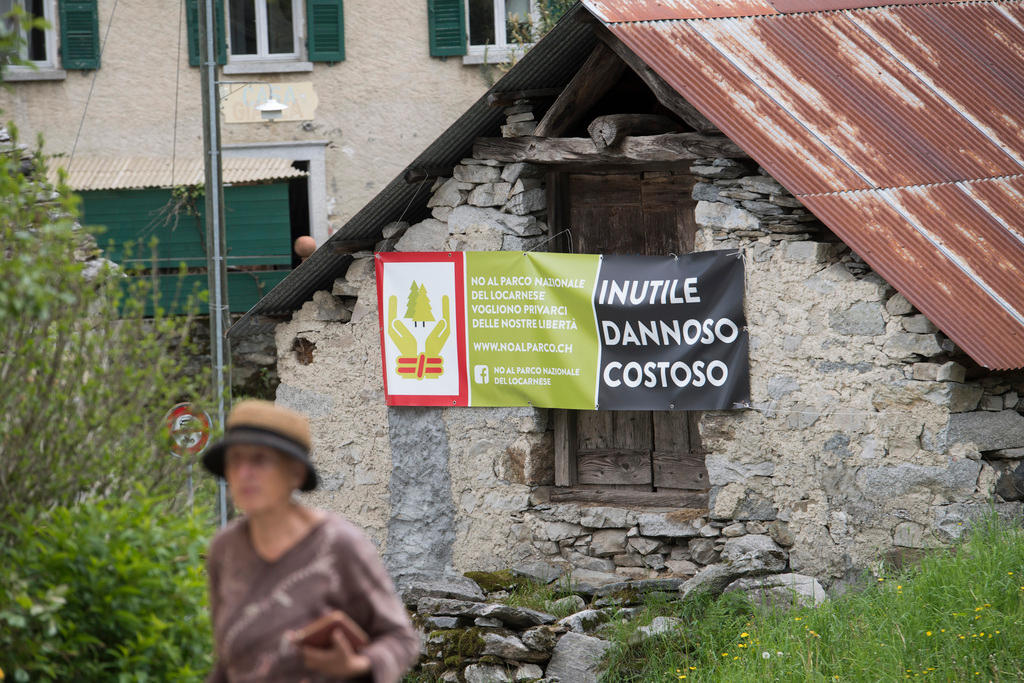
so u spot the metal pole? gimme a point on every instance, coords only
(216, 266)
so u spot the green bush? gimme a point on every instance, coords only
(104, 591)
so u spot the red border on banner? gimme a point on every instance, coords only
(457, 258)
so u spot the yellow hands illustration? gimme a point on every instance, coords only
(410, 362)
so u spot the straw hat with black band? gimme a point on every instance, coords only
(265, 424)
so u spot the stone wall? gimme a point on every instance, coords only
(868, 433)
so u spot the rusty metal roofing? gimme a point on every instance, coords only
(127, 173)
(901, 127)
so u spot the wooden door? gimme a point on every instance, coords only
(631, 213)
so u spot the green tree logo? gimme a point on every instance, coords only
(417, 306)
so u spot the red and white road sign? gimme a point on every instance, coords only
(189, 428)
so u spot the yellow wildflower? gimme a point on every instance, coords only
(744, 634)
(927, 633)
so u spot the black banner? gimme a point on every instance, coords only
(672, 332)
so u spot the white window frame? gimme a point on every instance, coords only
(40, 70)
(263, 61)
(501, 51)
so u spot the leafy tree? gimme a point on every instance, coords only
(86, 377)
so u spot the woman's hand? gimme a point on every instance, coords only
(339, 660)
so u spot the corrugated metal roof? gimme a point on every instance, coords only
(129, 173)
(550, 64)
(900, 127)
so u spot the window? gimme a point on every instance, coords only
(38, 46)
(263, 29)
(266, 36)
(496, 28)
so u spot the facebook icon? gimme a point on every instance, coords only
(480, 374)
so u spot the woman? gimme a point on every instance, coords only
(282, 565)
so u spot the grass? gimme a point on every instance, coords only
(956, 616)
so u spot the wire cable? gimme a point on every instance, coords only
(92, 85)
(177, 81)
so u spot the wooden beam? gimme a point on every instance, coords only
(565, 447)
(599, 72)
(627, 497)
(632, 150)
(665, 93)
(607, 131)
(507, 98)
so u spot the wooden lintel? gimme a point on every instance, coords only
(631, 150)
(599, 72)
(665, 93)
(351, 246)
(507, 98)
(628, 497)
(419, 174)
(607, 131)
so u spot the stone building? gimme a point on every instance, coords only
(875, 204)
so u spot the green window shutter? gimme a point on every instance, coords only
(79, 34)
(192, 19)
(325, 28)
(447, 21)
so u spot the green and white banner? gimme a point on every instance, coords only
(563, 330)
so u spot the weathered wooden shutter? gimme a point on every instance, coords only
(79, 34)
(447, 21)
(192, 19)
(325, 28)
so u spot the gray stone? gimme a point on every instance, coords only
(661, 626)
(705, 192)
(986, 430)
(441, 213)
(925, 372)
(510, 647)
(708, 531)
(712, 579)
(343, 287)
(756, 528)
(781, 534)
(761, 184)
(722, 470)
(394, 229)
(513, 172)
(883, 483)
(754, 554)
(577, 658)
(513, 130)
(587, 582)
(702, 551)
(734, 530)
(781, 386)
(448, 195)
(438, 623)
(475, 239)
(324, 307)
(909, 535)
(443, 586)
(527, 202)
(1010, 400)
(1009, 453)
(677, 524)
(918, 324)
(863, 319)
(763, 208)
(428, 235)
(486, 673)
(782, 590)
(524, 184)
(514, 616)
(466, 218)
(607, 517)
(898, 305)
(724, 217)
(1010, 485)
(421, 527)
(487, 622)
(655, 561)
(489, 194)
(476, 173)
(527, 672)
(520, 116)
(754, 506)
(608, 542)
(964, 398)
(717, 170)
(951, 521)
(557, 531)
(991, 403)
(583, 621)
(542, 638)
(641, 586)
(360, 270)
(516, 243)
(570, 602)
(681, 567)
(905, 345)
(643, 545)
(539, 571)
(628, 560)
(809, 252)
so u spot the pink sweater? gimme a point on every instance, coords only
(254, 602)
